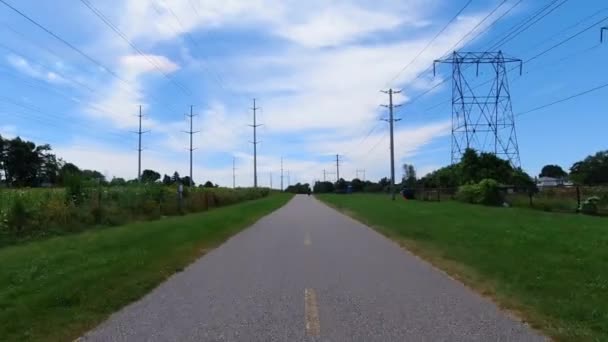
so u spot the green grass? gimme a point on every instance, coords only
(550, 269)
(54, 290)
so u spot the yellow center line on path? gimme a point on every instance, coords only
(313, 327)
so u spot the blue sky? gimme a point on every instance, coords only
(316, 68)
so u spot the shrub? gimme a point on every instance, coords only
(468, 193)
(18, 216)
(73, 188)
(490, 192)
(590, 205)
(486, 192)
(40, 212)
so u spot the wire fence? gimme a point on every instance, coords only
(566, 199)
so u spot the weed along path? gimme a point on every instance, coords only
(309, 273)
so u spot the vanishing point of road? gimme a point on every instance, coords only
(309, 273)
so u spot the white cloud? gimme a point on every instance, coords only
(339, 88)
(321, 79)
(135, 65)
(117, 104)
(338, 24)
(8, 131)
(24, 66)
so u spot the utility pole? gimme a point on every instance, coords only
(139, 148)
(281, 173)
(361, 171)
(391, 120)
(602, 33)
(325, 173)
(337, 167)
(255, 146)
(191, 133)
(233, 172)
(288, 179)
(270, 176)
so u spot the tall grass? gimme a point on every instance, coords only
(35, 213)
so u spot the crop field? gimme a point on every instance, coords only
(33, 213)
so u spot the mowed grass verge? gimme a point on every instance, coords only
(56, 289)
(550, 269)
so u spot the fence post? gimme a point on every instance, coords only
(180, 193)
(530, 195)
(578, 198)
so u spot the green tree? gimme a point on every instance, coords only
(24, 162)
(93, 176)
(357, 185)
(341, 185)
(298, 188)
(469, 166)
(553, 171)
(323, 187)
(593, 170)
(149, 176)
(208, 184)
(409, 176)
(175, 179)
(167, 180)
(520, 179)
(186, 181)
(118, 182)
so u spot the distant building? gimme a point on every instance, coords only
(550, 182)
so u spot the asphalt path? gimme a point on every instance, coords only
(309, 273)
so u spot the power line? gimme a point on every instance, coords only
(126, 39)
(430, 68)
(65, 42)
(525, 28)
(46, 115)
(515, 28)
(575, 24)
(70, 45)
(25, 38)
(585, 92)
(216, 75)
(478, 25)
(430, 42)
(504, 14)
(34, 62)
(526, 61)
(460, 41)
(566, 40)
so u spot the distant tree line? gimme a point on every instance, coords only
(299, 188)
(25, 164)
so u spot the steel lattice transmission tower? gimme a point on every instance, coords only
(482, 116)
